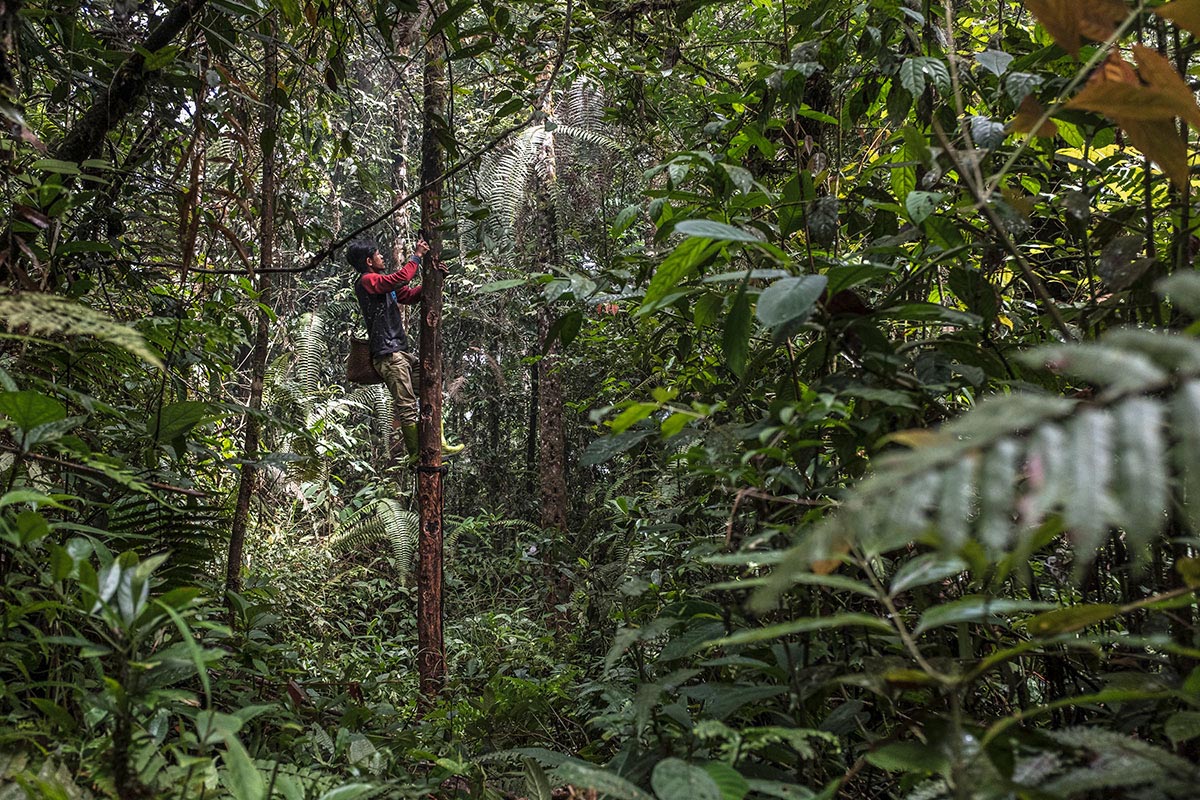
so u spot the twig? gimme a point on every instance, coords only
(1031, 278)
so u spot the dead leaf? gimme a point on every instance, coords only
(1162, 144)
(1184, 13)
(1154, 92)
(1028, 113)
(1070, 21)
(1145, 104)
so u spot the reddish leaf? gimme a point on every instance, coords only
(1028, 114)
(1162, 144)
(1154, 92)
(1184, 13)
(1070, 21)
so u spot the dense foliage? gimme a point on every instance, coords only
(828, 371)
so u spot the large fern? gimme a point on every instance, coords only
(1004, 476)
(384, 518)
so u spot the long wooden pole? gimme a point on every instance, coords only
(431, 648)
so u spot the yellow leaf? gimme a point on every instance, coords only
(1070, 21)
(1184, 13)
(1028, 113)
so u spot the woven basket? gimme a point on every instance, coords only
(359, 368)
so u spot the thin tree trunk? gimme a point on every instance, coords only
(237, 535)
(551, 444)
(431, 648)
(8, 71)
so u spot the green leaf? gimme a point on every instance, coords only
(47, 314)
(584, 775)
(997, 489)
(1116, 370)
(240, 776)
(624, 219)
(564, 329)
(55, 166)
(921, 204)
(929, 312)
(606, 447)
(1183, 726)
(717, 231)
(29, 409)
(537, 785)
(975, 608)
(735, 340)
(1072, 618)
(448, 17)
(1087, 506)
(787, 303)
(732, 784)
(994, 61)
(915, 71)
(680, 264)
(674, 779)
(909, 757)
(177, 419)
(780, 629)
(924, 570)
(349, 791)
(499, 286)
(779, 790)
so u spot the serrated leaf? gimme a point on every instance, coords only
(1117, 371)
(1086, 504)
(50, 315)
(537, 785)
(1185, 424)
(1141, 484)
(954, 506)
(997, 489)
(675, 779)
(1046, 467)
(787, 303)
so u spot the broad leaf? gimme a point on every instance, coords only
(675, 779)
(786, 304)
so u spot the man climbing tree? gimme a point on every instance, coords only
(380, 296)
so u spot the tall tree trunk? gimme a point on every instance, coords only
(8, 71)
(237, 535)
(551, 445)
(431, 648)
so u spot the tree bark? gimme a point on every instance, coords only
(249, 474)
(431, 649)
(551, 442)
(8, 72)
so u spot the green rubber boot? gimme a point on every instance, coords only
(447, 448)
(411, 442)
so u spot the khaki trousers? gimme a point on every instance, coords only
(396, 370)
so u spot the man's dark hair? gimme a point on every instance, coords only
(358, 251)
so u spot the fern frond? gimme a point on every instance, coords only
(384, 518)
(311, 353)
(49, 315)
(1005, 469)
